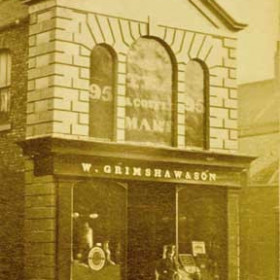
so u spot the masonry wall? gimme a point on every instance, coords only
(61, 40)
(13, 38)
(259, 208)
(259, 233)
(40, 225)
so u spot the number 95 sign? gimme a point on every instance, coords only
(100, 93)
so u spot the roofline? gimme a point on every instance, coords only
(30, 2)
(226, 17)
(234, 24)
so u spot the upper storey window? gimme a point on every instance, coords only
(102, 74)
(196, 84)
(5, 84)
(149, 93)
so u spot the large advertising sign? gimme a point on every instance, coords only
(101, 93)
(194, 105)
(149, 93)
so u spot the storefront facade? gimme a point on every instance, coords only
(131, 139)
(137, 205)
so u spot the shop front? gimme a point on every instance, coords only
(131, 141)
(119, 207)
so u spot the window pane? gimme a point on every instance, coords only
(9, 65)
(5, 69)
(149, 93)
(4, 105)
(99, 231)
(101, 93)
(202, 230)
(195, 128)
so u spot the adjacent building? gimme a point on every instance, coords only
(13, 96)
(119, 121)
(259, 136)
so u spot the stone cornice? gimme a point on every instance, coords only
(235, 25)
(49, 145)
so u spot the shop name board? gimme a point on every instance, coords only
(149, 173)
(143, 170)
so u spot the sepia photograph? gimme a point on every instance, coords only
(139, 139)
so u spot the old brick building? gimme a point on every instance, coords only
(129, 138)
(13, 92)
(259, 136)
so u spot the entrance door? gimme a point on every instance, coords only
(151, 225)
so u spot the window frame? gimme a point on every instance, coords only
(6, 53)
(206, 114)
(114, 57)
(174, 94)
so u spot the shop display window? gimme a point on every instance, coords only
(131, 231)
(99, 231)
(202, 232)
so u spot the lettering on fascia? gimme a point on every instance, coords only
(140, 172)
(86, 167)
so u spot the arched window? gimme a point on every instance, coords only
(149, 93)
(5, 84)
(101, 111)
(196, 84)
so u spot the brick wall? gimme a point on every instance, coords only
(13, 38)
(61, 40)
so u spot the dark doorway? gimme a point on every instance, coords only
(151, 225)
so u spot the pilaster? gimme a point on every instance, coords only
(233, 235)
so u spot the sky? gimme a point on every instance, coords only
(257, 43)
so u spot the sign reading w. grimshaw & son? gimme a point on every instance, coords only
(155, 173)
(147, 171)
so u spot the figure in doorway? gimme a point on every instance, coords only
(83, 240)
(107, 251)
(167, 268)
